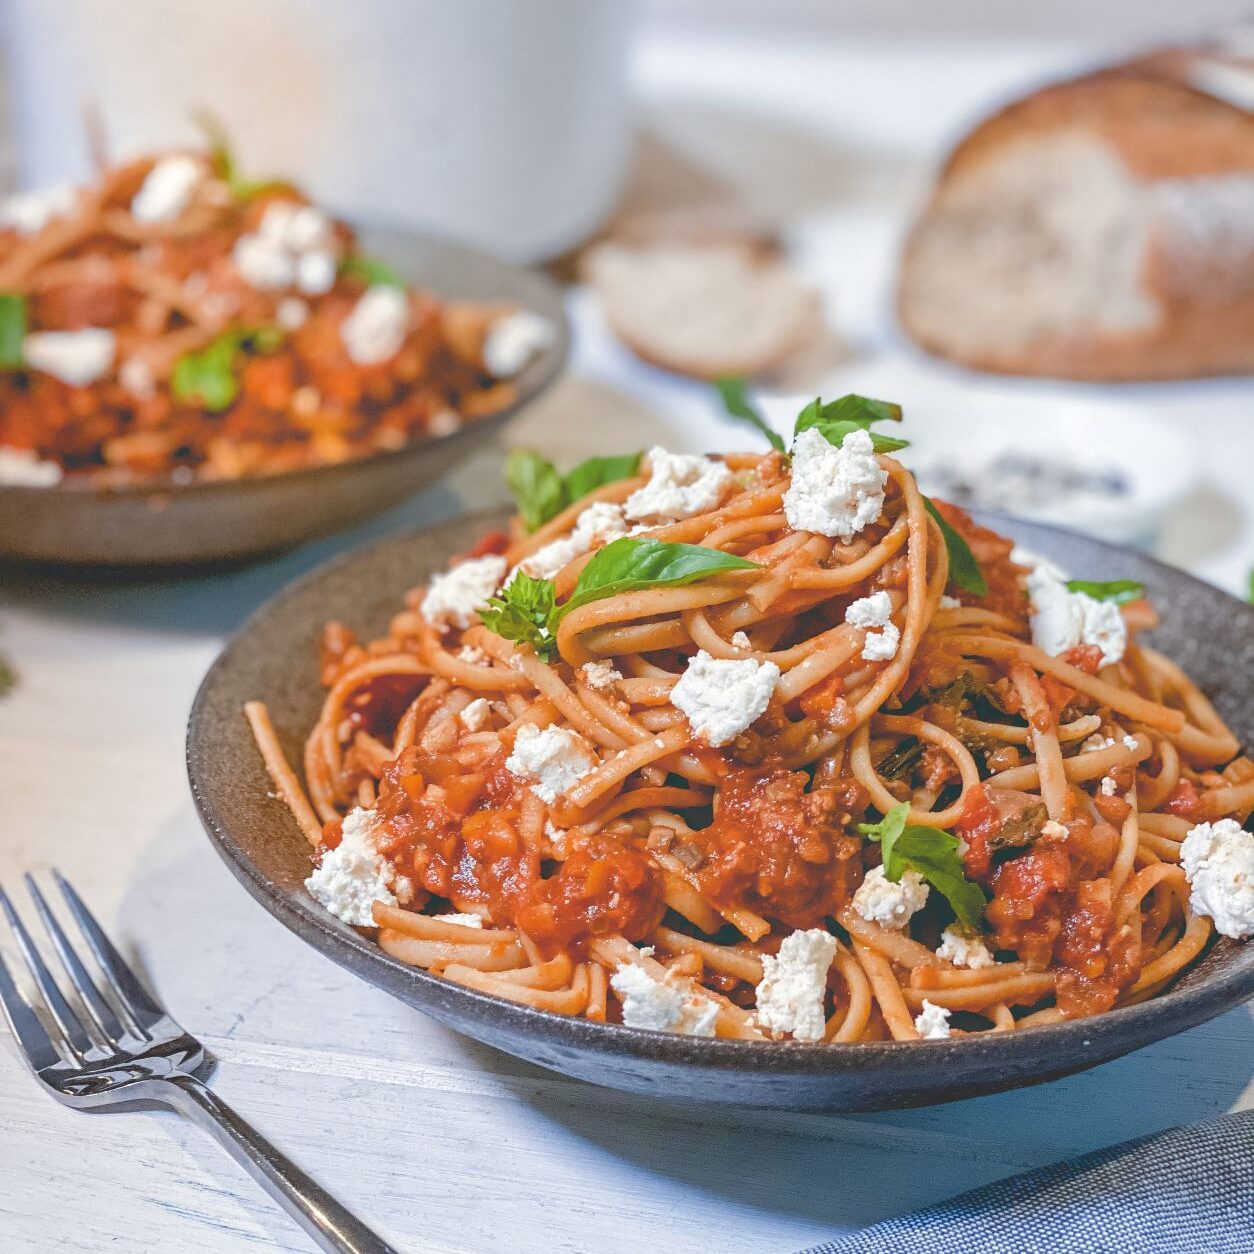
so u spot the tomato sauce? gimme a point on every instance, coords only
(1005, 593)
(778, 850)
(1099, 960)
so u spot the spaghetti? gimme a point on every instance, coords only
(170, 320)
(931, 824)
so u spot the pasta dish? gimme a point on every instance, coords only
(176, 320)
(771, 746)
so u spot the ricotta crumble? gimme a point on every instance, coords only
(723, 696)
(834, 491)
(791, 991)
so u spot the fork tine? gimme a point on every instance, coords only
(101, 1013)
(133, 996)
(30, 1034)
(73, 1036)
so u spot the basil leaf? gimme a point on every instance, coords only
(1120, 591)
(371, 271)
(964, 570)
(208, 377)
(631, 564)
(521, 612)
(536, 485)
(12, 330)
(732, 390)
(930, 853)
(596, 472)
(222, 160)
(1249, 592)
(850, 413)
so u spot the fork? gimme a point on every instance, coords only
(138, 1053)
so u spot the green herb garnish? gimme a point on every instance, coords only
(12, 330)
(208, 377)
(1120, 591)
(8, 677)
(371, 271)
(928, 852)
(899, 762)
(632, 565)
(222, 159)
(521, 612)
(525, 610)
(964, 570)
(837, 419)
(542, 492)
(732, 391)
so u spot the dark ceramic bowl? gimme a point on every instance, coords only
(274, 658)
(162, 523)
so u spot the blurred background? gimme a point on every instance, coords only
(732, 187)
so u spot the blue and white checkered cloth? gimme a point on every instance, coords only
(1185, 1191)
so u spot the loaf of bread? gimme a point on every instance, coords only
(1101, 228)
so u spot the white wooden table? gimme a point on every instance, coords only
(442, 1144)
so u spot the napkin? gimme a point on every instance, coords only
(1185, 1191)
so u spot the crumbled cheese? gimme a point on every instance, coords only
(454, 597)
(1062, 619)
(278, 253)
(75, 357)
(741, 641)
(600, 675)
(462, 920)
(476, 714)
(168, 189)
(28, 213)
(949, 603)
(834, 491)
(879, 900)
(875, 611)
(135, 375)
(553, 758)
(377, 326)
(468, 653)
(881, 646)
(1131, 742)
(667, 1005)
(790, 994)
(1051, 829)
(932, 1024)
(964, 948)
(315, 272)
(444, 422)
(1096, 743)
(20, 467)
(1218, 861)
(680, 485)
(600, 523)
(1108, 786)
(723, 696)
(291, 313)
(354, 875)
(512, 341)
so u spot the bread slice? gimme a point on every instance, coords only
(1102, 228)
(705, 310)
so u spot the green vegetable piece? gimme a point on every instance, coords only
(521, 612)
(208, 377)
(735, 401)
(371, 271)
(537, 487)
(837, 419)
(12, 330)
(930, 853)
(964, 570)
(633, 564)
(222, 159)
(596, 472)
(1120, 591)
(8, 677)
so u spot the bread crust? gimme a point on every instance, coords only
(1154, 117)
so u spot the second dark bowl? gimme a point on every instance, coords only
(163, 523)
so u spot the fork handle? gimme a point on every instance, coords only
(332, 1227)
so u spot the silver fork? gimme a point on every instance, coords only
(139, 1054)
